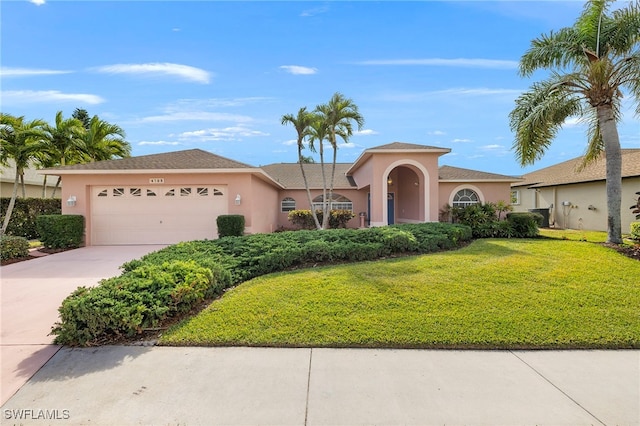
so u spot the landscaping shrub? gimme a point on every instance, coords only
(13, 247)
(25, 211)
(136, 300)
(635, 209)
(340, 218)
(303, 219)
(168, 281)
(61, 231)
(635, 231)
(525, 224)
(230, 225)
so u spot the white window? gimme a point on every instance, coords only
(287, 204)
(515, 197)
(339, 202)
(465, 197)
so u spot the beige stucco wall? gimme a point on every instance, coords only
(80, 187)
(581, 196)
(32, 191)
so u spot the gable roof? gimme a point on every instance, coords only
(457, 174)
(289, 175)
(566, 172)
(395, 147)
(191, 159)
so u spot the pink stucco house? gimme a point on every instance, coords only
(171, 197)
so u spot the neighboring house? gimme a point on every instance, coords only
(32, 181)
(578, 200)
(176, 196)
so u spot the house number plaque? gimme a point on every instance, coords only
(156, 180)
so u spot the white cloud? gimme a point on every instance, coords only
(184, 72)
(47, 96)
(298, 70)
(197, 116)
(492, 147)
(508, 94)
(313, 12)
(441, 62)
(461, 140)
(290, 142)
(158, 143)
(572, 122)
(27, 72)
(224, 134)
(365, 132)
(183, 104)
(436, 133)
(37, 2)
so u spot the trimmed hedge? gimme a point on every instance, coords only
(230, 225)
(25, 211)
(61, 231)
(142, 298)
(12, 247)
(525, 224)
(160, 284)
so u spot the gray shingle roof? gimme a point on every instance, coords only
(449, 173)
(188, 159)
(289, 175)
(404, 146)
(566, 172)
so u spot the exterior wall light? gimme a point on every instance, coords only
(238, 199)
(390, 181)
(71, 201)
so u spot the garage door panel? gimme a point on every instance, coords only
(156, 215)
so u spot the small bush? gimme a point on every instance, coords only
(340, 218)
(230, 225)
(61, 231)
(25, 211)
(13, 247)
(134, 301)
(303, 219)
(635, 231)
(525, 224)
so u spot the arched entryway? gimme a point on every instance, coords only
(405, 193)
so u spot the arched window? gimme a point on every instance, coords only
(287, 204)
(465, 197)
(339, 202)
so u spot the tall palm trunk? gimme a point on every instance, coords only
(333, 171)
(325, 201)
(613, 155)
(12, 202)
(44, 187)
(306, 185)
(55, 188)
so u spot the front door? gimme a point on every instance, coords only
(391, 208)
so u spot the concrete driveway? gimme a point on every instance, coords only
(33, 290)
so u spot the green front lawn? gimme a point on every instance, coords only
(538, 293)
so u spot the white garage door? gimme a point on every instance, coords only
(155, 214)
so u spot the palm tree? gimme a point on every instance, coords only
(591, 64)
(63, 144)
(301, 123)
(20, 141)
(104, 141)
(318, 133)
(338, 116)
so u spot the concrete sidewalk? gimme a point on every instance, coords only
(31, 293)
(128, 385)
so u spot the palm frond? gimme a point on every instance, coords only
(538, 116)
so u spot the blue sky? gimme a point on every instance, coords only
(219, 75)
